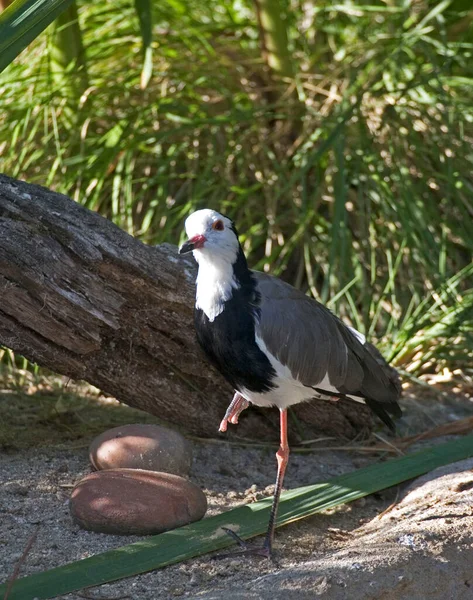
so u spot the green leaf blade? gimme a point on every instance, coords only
(145, 17)
(22, 22)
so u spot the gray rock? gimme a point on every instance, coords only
(133, 501)
(148, 447)
(16, 488)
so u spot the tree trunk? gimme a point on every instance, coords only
(86, 300)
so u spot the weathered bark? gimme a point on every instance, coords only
(84, 299)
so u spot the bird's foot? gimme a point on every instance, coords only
(264, 551)
(237, 405)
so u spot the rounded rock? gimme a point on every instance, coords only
(148, 447)
(134, 501)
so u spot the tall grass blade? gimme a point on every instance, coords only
(248, 521)
(145, 17)
(68, 60)
(22, 22)
(274, 37)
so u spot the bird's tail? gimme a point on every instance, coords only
(385, 409)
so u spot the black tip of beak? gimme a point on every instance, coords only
(186, 247)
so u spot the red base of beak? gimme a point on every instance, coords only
(193, 244)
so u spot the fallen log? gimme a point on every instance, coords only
(83, 298)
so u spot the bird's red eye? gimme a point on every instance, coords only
(218, 225)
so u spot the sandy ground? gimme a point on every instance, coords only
(35, 484)
(36, 488)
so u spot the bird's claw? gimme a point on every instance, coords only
(236, 537)
(260, 551)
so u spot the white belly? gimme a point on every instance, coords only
(288, 392)
(285, 393)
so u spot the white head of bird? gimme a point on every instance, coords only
(211, 236)
(214, 243)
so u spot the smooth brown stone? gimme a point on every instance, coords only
(149, 447)
(132, 501)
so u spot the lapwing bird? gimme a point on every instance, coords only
(275, 345)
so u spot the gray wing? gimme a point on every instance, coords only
(307, 338)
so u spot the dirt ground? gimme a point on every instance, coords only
(44, 456)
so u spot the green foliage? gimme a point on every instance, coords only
(207, 535)
(145, 17)
(67, 57)
(273, 35)
(22, 22)
(356, 188)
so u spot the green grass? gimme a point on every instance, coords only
(356, 188)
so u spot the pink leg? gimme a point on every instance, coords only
(237, 405)
(282, 457)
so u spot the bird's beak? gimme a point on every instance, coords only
(193, 244)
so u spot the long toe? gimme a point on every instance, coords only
(259, 551)
(245, 550)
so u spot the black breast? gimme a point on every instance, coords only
(229, 342)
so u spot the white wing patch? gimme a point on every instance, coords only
(360, 337)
